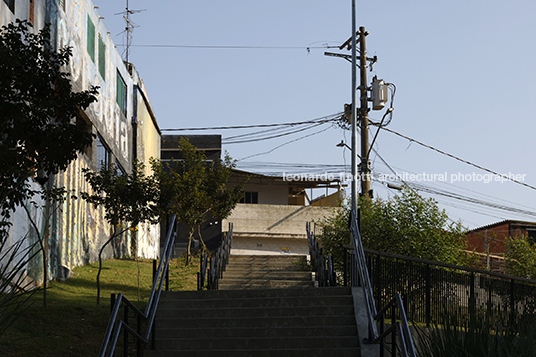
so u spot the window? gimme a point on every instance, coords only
(120, 171)
(121, 94)
(103, 153)
(31, 12)
(250, 197)
(90, 38)
(62, 4)
(11, 5)
(102, 58)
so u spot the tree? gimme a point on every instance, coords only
(41, 132)
(128, 200)
(193, 188)
(42, 129)
(521, 257)
(406, 224)
(53, 198)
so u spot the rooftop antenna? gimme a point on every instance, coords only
(129, 29)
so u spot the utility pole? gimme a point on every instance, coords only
(364, 168)
(354, 111)
(361, 170)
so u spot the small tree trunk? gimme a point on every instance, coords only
(42, 244)
(205, 249)
(190, 239)
(100, 261)
(138, 262)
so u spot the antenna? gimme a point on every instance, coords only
(129, 29)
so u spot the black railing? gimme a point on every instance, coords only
(398, 329)
(117, 325)
(211, 267)
(323, 267)
(435, 289)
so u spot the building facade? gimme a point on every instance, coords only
(490, 241)
(122, 120)
(271, 217)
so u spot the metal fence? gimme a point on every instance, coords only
(433, 290)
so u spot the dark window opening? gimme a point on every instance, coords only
(120, 171)
(11, 5)
(102, 58)
(121, 96)
(103, 154)
(90, 38)
(531, 235)
(250, 197)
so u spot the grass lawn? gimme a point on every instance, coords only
(73, 324)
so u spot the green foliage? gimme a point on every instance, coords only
(41, 133)
(73, 325)
(521, 257)
(193, 188)
(479, 337)
(42, 130)
(406, 224)
(14, 287)
(128, 200)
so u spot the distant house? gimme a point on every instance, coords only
(490, 241)
(271, 217)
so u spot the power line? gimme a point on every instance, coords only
(325, 119)
(224, 47)
(271, 136)
(459, 159)
(288, 142)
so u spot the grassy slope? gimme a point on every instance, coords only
(73, 325)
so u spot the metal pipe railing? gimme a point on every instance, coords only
(406, 341)
(115, 325)
(211, 268)
(324, 267)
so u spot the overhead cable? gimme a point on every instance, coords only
(325, 119)
(459, 159)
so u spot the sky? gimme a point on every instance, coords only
(463, 71)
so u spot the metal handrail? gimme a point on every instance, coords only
(116, 325)
(373, 315)
(212, 268)
(324, 267)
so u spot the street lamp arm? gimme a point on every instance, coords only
(342, 144)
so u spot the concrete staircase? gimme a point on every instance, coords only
(266, 306)
(262, 322)
(265, 271)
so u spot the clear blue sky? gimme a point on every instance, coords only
(464, 72)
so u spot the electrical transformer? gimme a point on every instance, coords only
(380, 94)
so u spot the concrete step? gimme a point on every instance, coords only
(330, 310)
(268, 260)
(267, 274)
(259, 302)
(267, 322)
(271, 352)
(244, 332)
(234, 344)
(236, 284)
(255, 322)
(244, 294)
